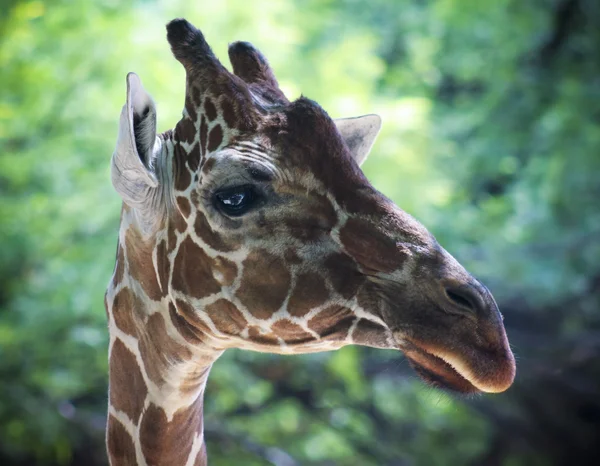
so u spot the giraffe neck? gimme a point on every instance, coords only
(156, 392)
(158, 368)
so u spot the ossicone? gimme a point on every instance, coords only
(189, 46)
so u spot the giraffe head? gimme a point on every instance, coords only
(267, 235)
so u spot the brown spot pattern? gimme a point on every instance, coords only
(126, 305)
(367, 296)
(177, 223)
(163, 265)
(369, 333)
(141, 268)
(172, 239)
(194, 157)
(227, 269)
(184, 206)
(255, 335)
(265, 283)
(180, 172)
(189, 314)
(325, 210)
(309, 292)
(166, 442)
(343, 274)
(313, 219)
(119, 266)
(210, 109)
(196, 95)
(208, 235)
(290, 332)
(228, 113)
(119, 444)
(355, 201)
(183, 327)
(371, 248)
(292, 257)
(203, 135)
(192, 271)
(226, 317)
(210, 163)
(191, 109)
(127, 387)
(332, 323)
(185, 130)
(195, 198)
(215, 138)
(303, 228)
(158, 350)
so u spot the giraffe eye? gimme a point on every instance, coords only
(235, 201)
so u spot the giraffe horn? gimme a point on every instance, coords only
(191, 49)
(207, 76)
(250, 64)
(253, 68)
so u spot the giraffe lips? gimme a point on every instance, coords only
(437, 372)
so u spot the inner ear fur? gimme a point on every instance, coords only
(359, 134)
(132, 167)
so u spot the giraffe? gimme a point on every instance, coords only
(250, 225)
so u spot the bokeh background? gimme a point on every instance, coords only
(491, 138)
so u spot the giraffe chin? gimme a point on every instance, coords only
(437, 372)
(452, 372)
(461, 368)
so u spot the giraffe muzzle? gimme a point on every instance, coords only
(466, 349)
(449, 327)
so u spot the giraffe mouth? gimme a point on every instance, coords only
(438, 372)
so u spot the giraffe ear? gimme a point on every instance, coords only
(132, 170)
(359, 133)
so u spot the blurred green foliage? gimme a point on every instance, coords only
(491, 137)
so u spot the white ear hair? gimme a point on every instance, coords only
(131, 168)
(359, 133)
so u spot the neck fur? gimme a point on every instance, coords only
(157, 376)
(157, 383)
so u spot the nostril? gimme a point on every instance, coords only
(462, 298)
